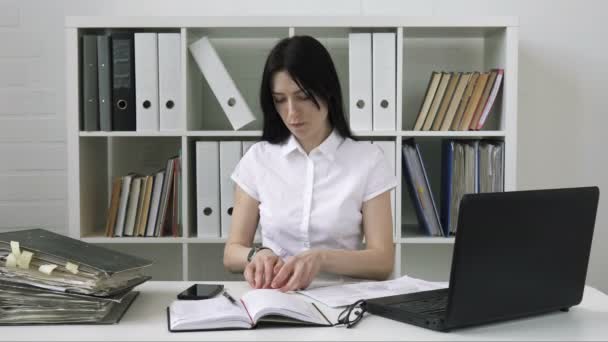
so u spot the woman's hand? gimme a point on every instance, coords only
(298, 272)
(260, 272)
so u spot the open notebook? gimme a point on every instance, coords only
(255, 307)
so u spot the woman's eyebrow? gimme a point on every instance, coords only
(295, 92)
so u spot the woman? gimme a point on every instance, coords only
(315, 191)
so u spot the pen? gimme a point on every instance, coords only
(232, 300)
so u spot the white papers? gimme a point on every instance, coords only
(341, 295)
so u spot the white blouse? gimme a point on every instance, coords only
(313, 201)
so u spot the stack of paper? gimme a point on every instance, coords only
(340, 295)
(48, 278)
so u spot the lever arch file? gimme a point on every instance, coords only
(230, 154)
(223, 86)
(384, 81)
(169, 77)
(207, 189)
(104, 78)
(146, 87)
(90, 109)
(123, 82)
(360, 81)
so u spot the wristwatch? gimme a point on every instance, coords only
(253, 252)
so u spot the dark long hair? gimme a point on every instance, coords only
(309, 64)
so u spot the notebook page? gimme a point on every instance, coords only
(207, 314)
(273, 302)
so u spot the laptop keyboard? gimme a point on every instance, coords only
(435, 306)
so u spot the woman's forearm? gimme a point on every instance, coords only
(368, 263)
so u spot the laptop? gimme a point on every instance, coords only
(516, 254)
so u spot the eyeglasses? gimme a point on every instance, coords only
(352, 314)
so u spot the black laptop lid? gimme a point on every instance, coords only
(520, 253)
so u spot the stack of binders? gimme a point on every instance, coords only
(131, 81)
(372, 83)
(47, 278)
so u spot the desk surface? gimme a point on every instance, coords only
(146, 320)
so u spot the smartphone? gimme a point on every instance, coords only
(201, 291)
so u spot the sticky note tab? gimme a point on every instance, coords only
(24, 259)
(47, 269)
(11, 260)
(15, 248)
(72, 267)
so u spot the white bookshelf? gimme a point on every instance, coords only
(424, 44)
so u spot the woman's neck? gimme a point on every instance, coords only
(316, 140)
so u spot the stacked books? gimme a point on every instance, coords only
(47, 278)
(458, 101)
(146, 205)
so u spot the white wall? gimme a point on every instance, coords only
(562, 115)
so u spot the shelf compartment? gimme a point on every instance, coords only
(104, 158)
(462, 49)
(243, 52)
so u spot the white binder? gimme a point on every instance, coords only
(221, 83)
(207, 189)
(384, 81)
(230, 154)
(388, 147)
(360, 81)
(146, 85)
(169, 80)
(258, 232)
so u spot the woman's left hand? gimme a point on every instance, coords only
(298, 271)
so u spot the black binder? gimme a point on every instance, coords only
(123, 82)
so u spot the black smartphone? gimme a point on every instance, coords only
(201, 291)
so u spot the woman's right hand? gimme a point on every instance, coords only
(260, 272)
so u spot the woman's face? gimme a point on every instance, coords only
(298, 111)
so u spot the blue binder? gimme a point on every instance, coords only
(420, 189)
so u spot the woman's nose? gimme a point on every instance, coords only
(291, 108)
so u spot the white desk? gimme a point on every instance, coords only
(146, 320)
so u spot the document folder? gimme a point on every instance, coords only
(169, 78)
(230, 154)
(90, 107)
(360, 81)
(146, 87)
(208, 189)
(223, 86)
(384, 81)
(104, 77)
(123, 82)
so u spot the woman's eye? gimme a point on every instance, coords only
(278, 100)
(303, 97)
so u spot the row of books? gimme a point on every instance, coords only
(146, 205)
(131, 81)
(468, 166)
(458, 101)
(48, 278)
